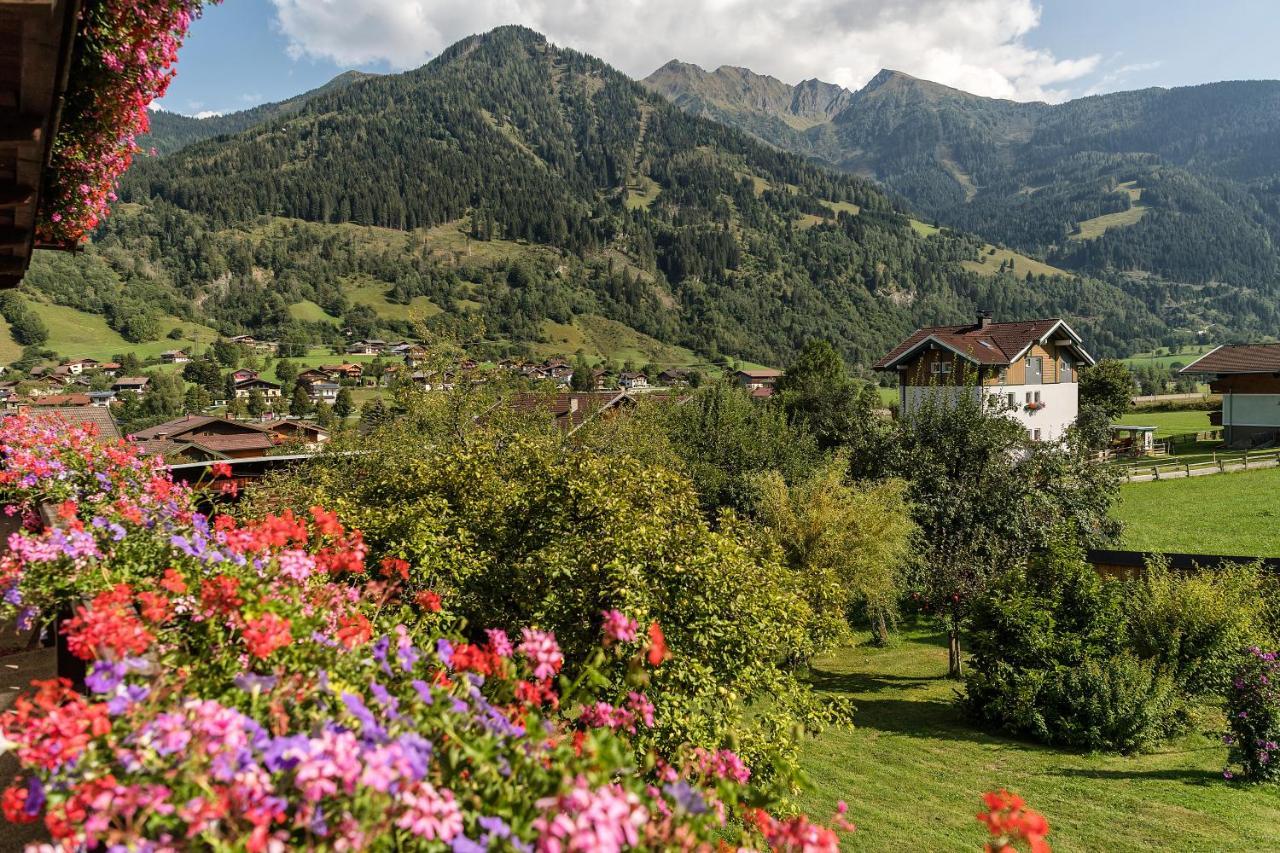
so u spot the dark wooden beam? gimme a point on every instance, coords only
(14, 265)
(12, 237)
(19, 128)
(15, 195)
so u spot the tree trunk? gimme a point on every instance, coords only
(954, 669)
(882, 628)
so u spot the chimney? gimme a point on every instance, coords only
(984, 319)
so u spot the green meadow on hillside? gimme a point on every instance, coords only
(912, 769)
(77, 334)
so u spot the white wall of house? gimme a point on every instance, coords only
(1061, 404)
(1261, 410)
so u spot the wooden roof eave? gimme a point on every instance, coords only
(37, 41)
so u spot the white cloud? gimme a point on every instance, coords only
(976, 45)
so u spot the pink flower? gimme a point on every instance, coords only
(430, 814)
(499, 642)
(606, 819)
(618, 627)
(543, 652)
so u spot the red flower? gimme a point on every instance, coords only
(173, 582)
(326, 522)
(220, 469)
(110, 624)
(471, 658)
(428, 600)
(220, 595)
(658, 651)
(395, 567)
(354, 630)
(155, 607)
(264, 635)
(14, 802)
(1009, 822)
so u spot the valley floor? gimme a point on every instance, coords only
(912, 771)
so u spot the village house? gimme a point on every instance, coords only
(673, 377)
(58, 400)
(201, 437)
(323, 391)
(339, 372)
(110, 368)
(759, 381)
(244, 374)
(1248, 378)
(304, 434)
(311, 375)
(1028, 369)
(366, 347)
(629, 380)
(175, 356)
(75, 368)
(102, 399)
(100, 418)
(245, 389)
(130, 384)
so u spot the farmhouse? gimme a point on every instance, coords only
(130, 384)
(757, 380)
(270, 390)
(175, 356)
(1248, 378)
(1027, 369)
(631, 379)
(201, 437)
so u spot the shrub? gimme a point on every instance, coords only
(512, 529)
(1197, 624)
(1050, 661)
(1253, 717)
(1120, 703)
(253, 686)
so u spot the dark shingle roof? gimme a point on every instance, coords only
(96, 415)
(996, 344)
(1241, 358)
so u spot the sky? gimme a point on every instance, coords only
(247, 52)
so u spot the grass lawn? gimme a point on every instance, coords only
(1184, 356)
(1169, 423)
(76, 334)
(912, 769)
(1236, 513)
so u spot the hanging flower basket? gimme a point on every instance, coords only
(124, 60)
(1035, 407)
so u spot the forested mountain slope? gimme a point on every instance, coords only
(172, 131)
(524, 188)
(1180, 183)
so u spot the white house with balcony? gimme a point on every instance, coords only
(1027, 369)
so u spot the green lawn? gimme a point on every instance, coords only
(912, 769)
(76, 334)
(1235, 513)
(1169, 423)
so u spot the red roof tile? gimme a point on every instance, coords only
(994, 344)
(1242, 358)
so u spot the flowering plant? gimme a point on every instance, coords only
(124, 58)
(1253, 717)
(1011, 824)
(254, 684)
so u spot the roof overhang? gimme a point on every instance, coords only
(1076, 343)
(930, 342)
(37, 38)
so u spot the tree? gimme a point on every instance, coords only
(582, 380)
(300, 402)
(374, 412)
(983, 500)
(343, 406)
(196, 400)
(236, 409)
(324, 415)
(1106, 387)
(205, 372)
(257, 405)
(227, 353)
(726, 440)
(286, 373)
(818, 396)
(848, 544)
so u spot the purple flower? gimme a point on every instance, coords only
(251, 682)
(462, 844)
(34, 802)
(686, 796)
(444, 651)
(105, 676)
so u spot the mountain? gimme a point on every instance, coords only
(1182, 184)
(530, 197)
(172, 131)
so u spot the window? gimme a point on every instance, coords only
(1035, 435)
(941, 367)
(1013, 401)
(1004, 376)
(1030, 400)
(1036, 397)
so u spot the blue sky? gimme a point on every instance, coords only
(247, 52)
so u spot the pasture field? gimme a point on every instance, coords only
(76, 334)
(1236, 513)
(1091, 229)
(912, 768)
(1169, 423)
(1182, 355)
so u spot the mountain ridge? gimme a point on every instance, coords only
(1182, 183)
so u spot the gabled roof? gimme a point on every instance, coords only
(1237, 358)
(995, 344)
(759, 373)
(96, 415)
(190, 423)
